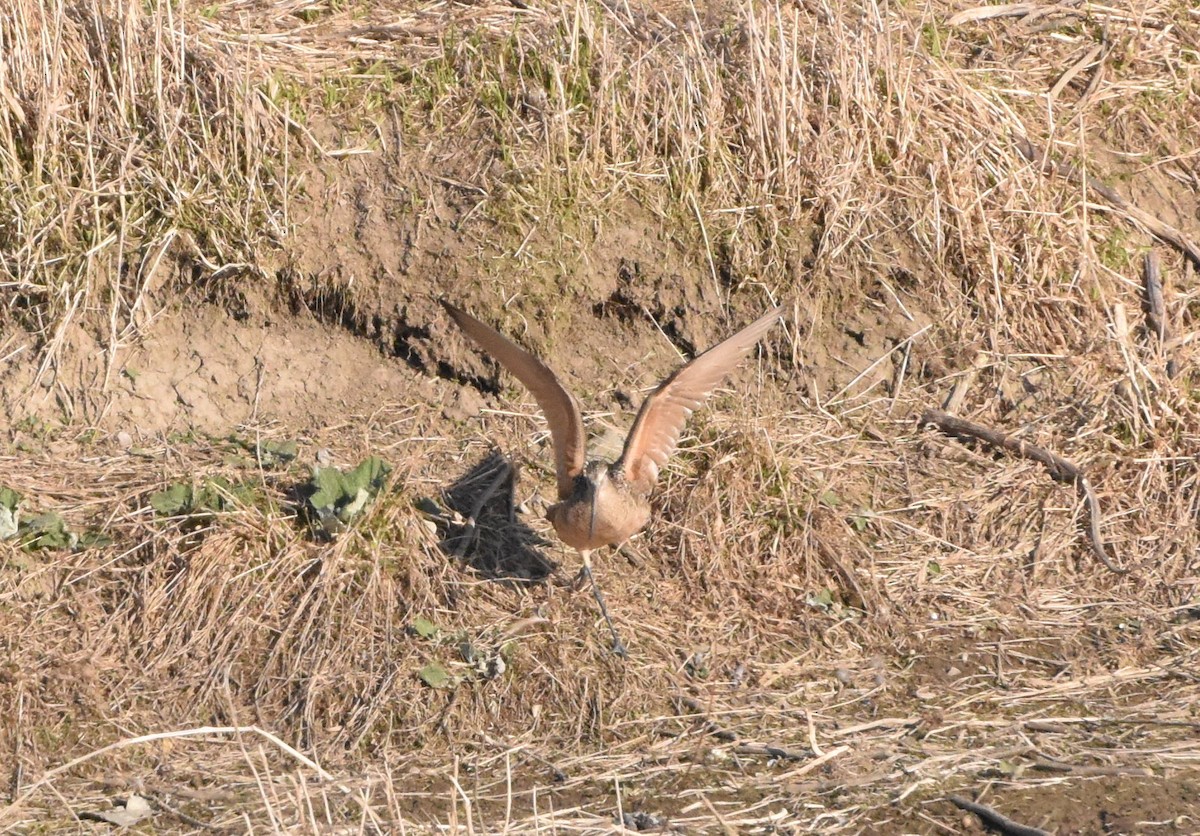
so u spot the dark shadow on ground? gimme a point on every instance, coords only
(486, 533)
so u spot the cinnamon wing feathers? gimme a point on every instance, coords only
(662, 416)
(560, 409)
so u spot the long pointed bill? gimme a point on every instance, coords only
(592, 517)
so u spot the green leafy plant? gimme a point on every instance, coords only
(822, 600)
(424, 628)
(268, 452)
(336, 497)
(43, 531)
(435, 676)
(212, 496)
(10, 517)
(47, 531)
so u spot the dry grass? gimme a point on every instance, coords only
(128, 144)
(906, 614)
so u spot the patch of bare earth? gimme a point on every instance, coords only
(836, 619)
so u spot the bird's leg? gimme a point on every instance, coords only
(618, 648)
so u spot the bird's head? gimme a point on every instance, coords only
(596, 473)
(587, 487)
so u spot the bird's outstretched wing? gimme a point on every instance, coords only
(560, 409)
(659, 422)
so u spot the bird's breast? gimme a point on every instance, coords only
(605, 516)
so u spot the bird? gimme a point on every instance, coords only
(602, 503)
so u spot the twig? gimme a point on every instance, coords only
(152, 789)
(1072, 769)
(771, 751)
(979, 13)
(1061, 470)
(840, 783)
(817, 762)
(1059, 724)
(959, 393)
(1078, 67)
(468, 532)
(1156, 309)
(292, 123)
(830, 557)
(512, 494)
(1158, 228)
(522, 749)
(729, 831)
(904, 343)
(682, 702)
(995, 820)
(171, 735)
(1010, 10)
(741, 747)
(192, 820)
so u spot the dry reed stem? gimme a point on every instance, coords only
(28, 791)
(1061, 470)
(1154, 225)
(994, 820)
(1156, 314)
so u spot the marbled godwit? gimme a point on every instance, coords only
(604, 503)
